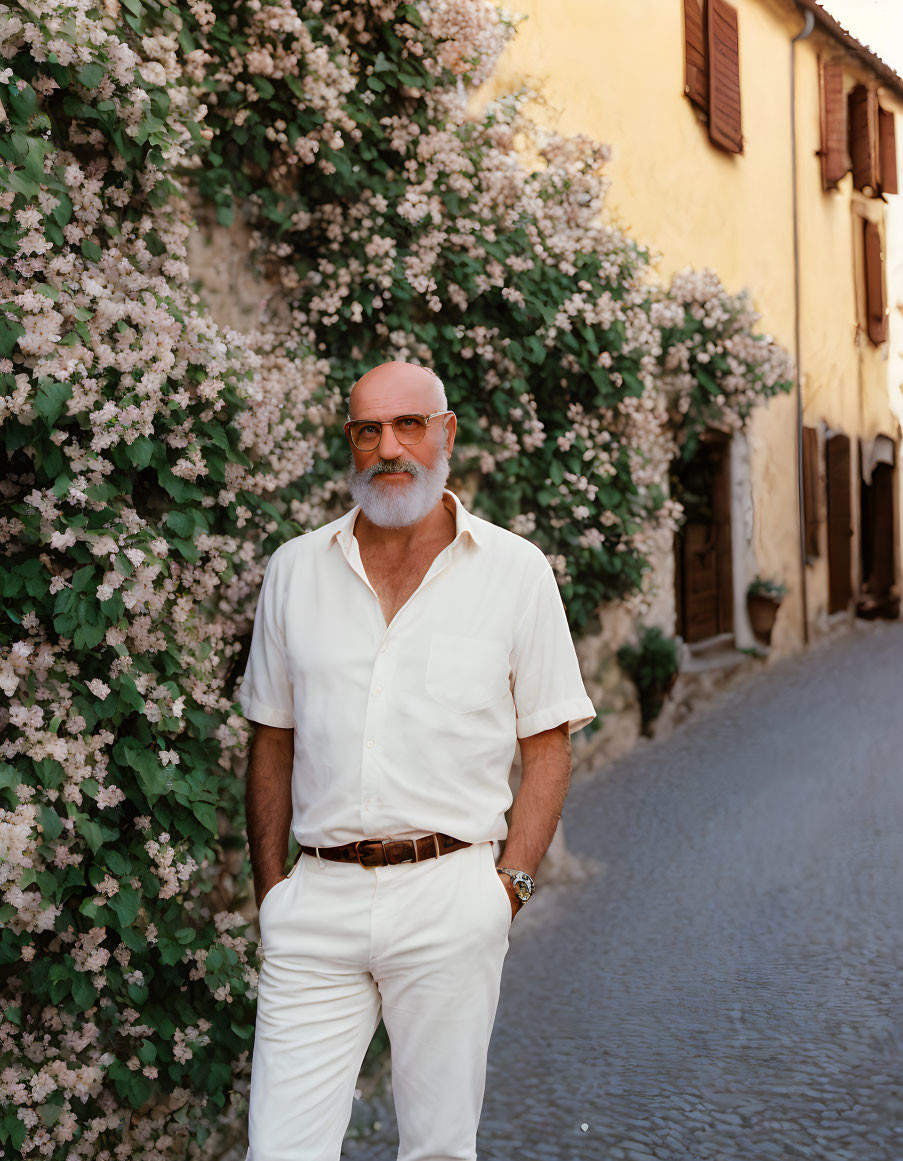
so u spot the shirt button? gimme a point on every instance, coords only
(378, 689)
(370, 744)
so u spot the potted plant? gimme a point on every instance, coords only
(652, 665)
(763, 599)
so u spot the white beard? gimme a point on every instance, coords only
(396, 507)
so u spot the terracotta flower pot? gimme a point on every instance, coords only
(762, 613)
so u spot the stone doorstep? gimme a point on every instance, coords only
(702, 679)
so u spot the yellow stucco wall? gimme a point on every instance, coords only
(616, 71)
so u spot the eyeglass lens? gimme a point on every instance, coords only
(365, 433)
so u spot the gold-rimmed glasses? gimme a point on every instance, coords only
(366, 434)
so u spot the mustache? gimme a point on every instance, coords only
(386, 466)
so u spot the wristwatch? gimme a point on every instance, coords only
(523, 883)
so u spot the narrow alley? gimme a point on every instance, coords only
(727, 983)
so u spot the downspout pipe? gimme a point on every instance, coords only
(805, 32)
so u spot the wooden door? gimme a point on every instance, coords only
(703, 565)
(840, 522)
(877, 535)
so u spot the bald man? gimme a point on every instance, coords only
(398, 656)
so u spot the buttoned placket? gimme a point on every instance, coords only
(382, 677)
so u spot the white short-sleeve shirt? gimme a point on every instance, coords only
(411, 728)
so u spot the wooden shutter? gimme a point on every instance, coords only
(723, 41)
(874, 284)
(887, 152)
(863, 106)
(810, 489)
(696, 73)
(834, 154)
(840, 522)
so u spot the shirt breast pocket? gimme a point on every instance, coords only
(466, 673)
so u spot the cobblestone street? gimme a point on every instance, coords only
(727, 982)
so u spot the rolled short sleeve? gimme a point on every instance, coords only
(266, 688)
(548, 688)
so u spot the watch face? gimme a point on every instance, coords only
(523, 887)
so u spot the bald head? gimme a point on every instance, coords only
(400, 388)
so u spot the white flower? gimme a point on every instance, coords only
(63, 539)
(98, 688)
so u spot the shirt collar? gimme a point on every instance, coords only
(465, 523)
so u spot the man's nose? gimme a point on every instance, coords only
(389, 446)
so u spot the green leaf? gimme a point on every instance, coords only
(10, 333)
(128, 692)
(117, 862)
(178, 488)
(90, 832)
(83, 991)
(205, 813)
(182, 523)
(34, 166)
(137, 993)
(125, 903)
(50, 401)
(83, 578)
(152, 777)
(51, 823)
(140, 451)
(62, 213)
(170, 952)
(91, 75)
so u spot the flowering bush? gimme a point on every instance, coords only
(152, 461)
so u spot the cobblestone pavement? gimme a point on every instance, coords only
(727, 983)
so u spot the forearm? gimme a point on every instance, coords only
(545, 777)
(268, 803)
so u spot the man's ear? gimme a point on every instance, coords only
(449, 427)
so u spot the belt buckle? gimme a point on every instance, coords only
(369, 866)
(399, 842)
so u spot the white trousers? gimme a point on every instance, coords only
(421, 944)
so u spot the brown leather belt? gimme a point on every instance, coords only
(388, 851)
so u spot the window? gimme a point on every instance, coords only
(712, 69)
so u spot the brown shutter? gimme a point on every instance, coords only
(874, 284)
(810, 489)
(696, 73)
(863, 106)
(887, 152)
(724, 76)
(835, 158)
